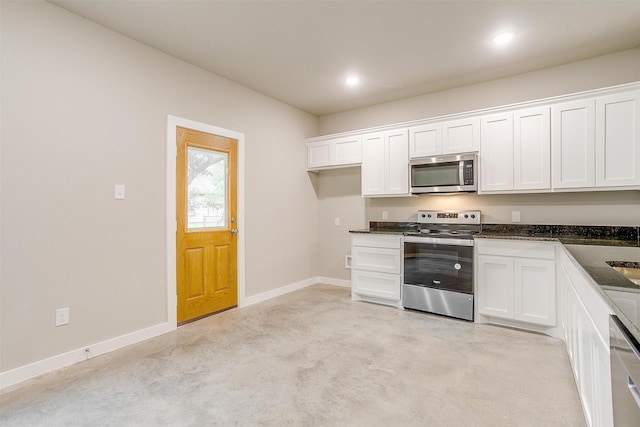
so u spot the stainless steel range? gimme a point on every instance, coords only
(438, 263)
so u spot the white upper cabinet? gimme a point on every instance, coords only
(385, 163)
(573, 144)
(532, 149)
(335, 152)
(461, 136)
(515, 151)
(584, 142)
(373, 164)
(596, 142)
(448, 137)
(318, 154)
(425, 140)
(496, 152)
(618, 140)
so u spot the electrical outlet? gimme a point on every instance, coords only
(385, 215)
(62, 316)
(336, 221)
(515, 216)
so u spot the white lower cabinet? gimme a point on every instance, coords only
(516, 281)
(585, 317)
(376, 268)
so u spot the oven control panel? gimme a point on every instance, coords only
(449, 217)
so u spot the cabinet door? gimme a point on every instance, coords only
(397, 162)
(532, 149)
(495, 286)
(496, 152)
(318, 154)
(374, 284)
(573, 144)
(535, 291)
(425, 140)
(373, 164)
(461, 136)
(618, 140)
(347, 151)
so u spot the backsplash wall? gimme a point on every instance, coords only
(589, 208)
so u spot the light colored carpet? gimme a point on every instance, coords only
(312, 358)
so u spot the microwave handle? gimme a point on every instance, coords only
(461, 172)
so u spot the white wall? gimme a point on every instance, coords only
(597, 208)
(84, 108)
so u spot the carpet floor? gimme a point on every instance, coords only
(312, 358)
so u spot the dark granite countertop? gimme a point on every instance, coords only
(566, 234)
(622, 295)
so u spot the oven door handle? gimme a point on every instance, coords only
(439, 241)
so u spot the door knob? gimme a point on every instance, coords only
(234, 231)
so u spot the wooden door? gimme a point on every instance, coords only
(206, 264)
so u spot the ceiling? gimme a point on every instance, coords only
(300, 51)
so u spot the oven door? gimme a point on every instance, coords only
(438, 263)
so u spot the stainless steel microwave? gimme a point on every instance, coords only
(456, 173)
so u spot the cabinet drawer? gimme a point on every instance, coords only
(376, 259)
(516, 249)
(380, 285)
(376, 240)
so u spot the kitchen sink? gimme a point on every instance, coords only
(630, 270)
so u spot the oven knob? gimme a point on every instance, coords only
(423, 215)
(428, 215)
(466, 216)
(473, 215)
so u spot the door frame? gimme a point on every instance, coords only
(172, 123)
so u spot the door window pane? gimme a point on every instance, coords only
(206, 188)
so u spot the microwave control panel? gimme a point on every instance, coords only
(467, 171)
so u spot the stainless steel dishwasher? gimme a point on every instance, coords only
(625, 375)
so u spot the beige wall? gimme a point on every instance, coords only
(338, 197)
(598, 208)
(84, 108)
(603, 71)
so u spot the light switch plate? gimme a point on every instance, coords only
(515, 216)
(119, 192)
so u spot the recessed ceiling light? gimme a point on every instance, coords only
(352, 80)
(502, 39)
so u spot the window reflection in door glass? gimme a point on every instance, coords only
(206, 188)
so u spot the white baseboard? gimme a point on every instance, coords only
(40, 367)
(254, 299)
(332, 281)
(293, 287)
